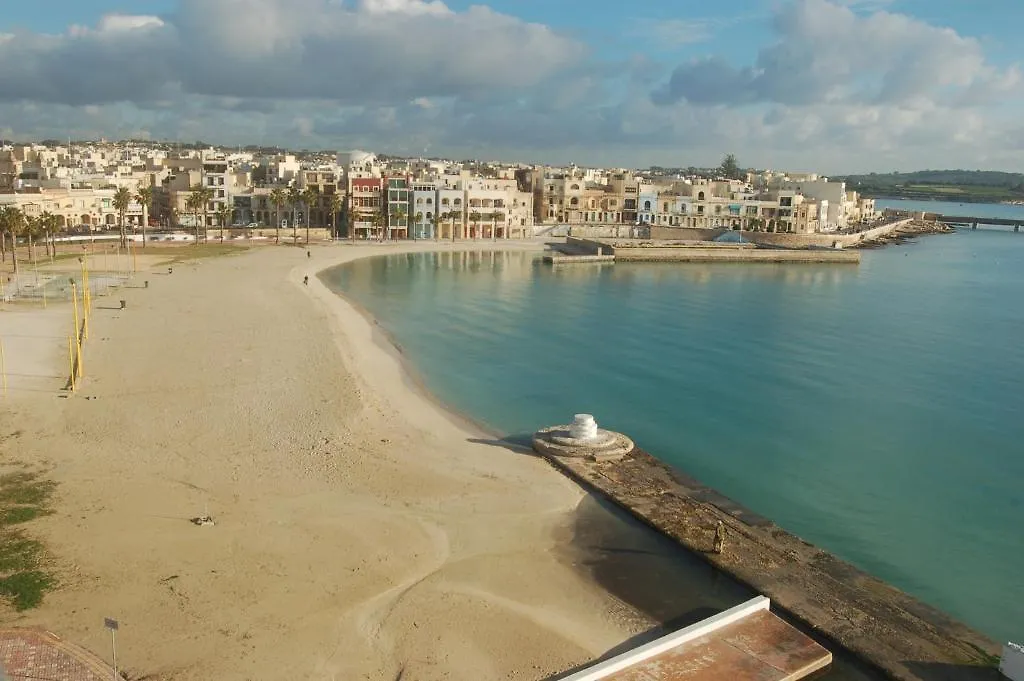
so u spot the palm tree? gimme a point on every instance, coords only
(310, 197)
(192, 206)
(199, 198)
(224, 217)
(122, 198)
(418, 217)
(401, 216)
(294, 198)
(33, 228)
(334, 205)
(435, 223)
(475, 218)
(278, 198)
(48, 224)
(11, 222)
(351, 215)
(379, 221)
(145, 197)
(493, 217)
(452, 215)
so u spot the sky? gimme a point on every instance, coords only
(834, 86)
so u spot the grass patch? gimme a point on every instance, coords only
(21, 514)
(195, 252)
(25, 589)
(24, 496)
(18, 552)
(24, 489)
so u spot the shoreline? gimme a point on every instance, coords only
(386, 341)
(381, 372)
(382, 339)
(360, 530)
(850, 658)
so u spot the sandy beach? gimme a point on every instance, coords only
(361, 531)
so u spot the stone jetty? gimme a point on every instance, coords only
(890, 630)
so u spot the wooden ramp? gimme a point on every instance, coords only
(745, 643)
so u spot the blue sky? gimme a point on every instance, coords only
(830, 85)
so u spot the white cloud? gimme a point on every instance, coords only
(826, 52)
(127, 22)
(836, 88)
(285, 48)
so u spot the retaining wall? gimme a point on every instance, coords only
(781, 239)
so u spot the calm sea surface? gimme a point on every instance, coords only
(875, 410)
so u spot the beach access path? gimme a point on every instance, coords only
(359, 531)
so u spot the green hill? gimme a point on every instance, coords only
(944, 185)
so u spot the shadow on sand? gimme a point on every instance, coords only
(520, 444)
(664, 582)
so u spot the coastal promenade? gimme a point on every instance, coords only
(893, 632)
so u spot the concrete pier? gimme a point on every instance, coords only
(636, 250)
(904, 638)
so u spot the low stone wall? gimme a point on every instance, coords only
(780, 239)
(588, 246)
(687, 233)
(711, 254)
(592, 231)
(269, 233)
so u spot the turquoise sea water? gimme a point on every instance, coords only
(875, 410)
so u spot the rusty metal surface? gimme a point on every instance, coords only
(760, 647)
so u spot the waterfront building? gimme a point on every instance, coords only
(423, 210)
(324, 181)
(366, 203)
(452, 210)
(91, 209)
(397, 207)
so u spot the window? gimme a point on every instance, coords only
(700, 196)
(647, 205)
(444, 201)
(575, 187)
(457, 202)
(574, 201)
(430, 201)
(665, 208)
(430, 215)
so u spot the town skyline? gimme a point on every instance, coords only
(844, 86)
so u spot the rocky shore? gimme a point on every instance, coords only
(910, 230)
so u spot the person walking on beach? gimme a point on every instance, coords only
(719, 537)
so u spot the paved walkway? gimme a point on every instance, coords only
(32, 655)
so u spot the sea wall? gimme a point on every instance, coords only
(233, 233)
(609, 231)
(735, 254)
(892, 631)
(700, 251)
(783, 240)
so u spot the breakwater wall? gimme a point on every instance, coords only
(902, 637)
(633, 250)
(781, 239)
